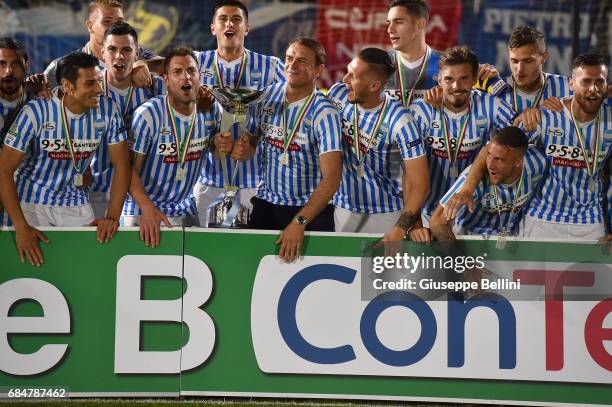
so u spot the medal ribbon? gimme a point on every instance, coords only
(184, 147)
(126, 108)
(241, 70)
(583, 146)
(536, 102)
(301, 114)
(66, 129)
(453, 154)
(514, 201)
(402, 80)
(381, 114)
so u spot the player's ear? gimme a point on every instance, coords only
(319, 70)
(67, 85)
(421, 23)
(544, 57)
(89, 25)
(248, 28)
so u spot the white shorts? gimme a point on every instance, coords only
(99, 203)
(180, 221)
(69, 216)
(204, 195)
(537, 228)
(354, 222)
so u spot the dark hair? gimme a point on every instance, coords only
(525, 35)
(231, 3)
(314, 45)
(121, 28)
(68, 66)
(95, 4)
(416, 8)
(459, 55)
(379, 61)
(511, 137)
(178, 51)
(16, 46)
(588, 59)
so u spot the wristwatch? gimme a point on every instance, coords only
(301, 220)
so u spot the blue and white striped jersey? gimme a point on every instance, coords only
(500, 208)
(569, 194)
(154, 138)
(259, 72)
(486, 115)
(46, 174)
(427, 80)
(379, 190)
(6, 108)
(101, 168)
(554, 86)
(319, 132)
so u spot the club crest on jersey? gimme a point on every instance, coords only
(48, 126)
(481, 121)
(99, 125)
(256, 76)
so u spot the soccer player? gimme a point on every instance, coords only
(301, 135)
(119, 55)
(514, 171)
(576, 142)
(231, 65)
(171, 136)
(380, 140)
(14, 63)
(417, 62)
(528, 86)
(454, 134)
(101, 15)
(49, 148)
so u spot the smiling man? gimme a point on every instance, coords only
(513, 173)
(170, 141)
(47, 151)
(233, 66)
(380, 143)
(454, 134)
(301, 135)
(119, 55)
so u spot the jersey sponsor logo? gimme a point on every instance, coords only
(280, 145)
(11, 137)
(438, 146)
(489, 206)
(191, 156)
(569, 156)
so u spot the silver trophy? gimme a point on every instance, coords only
(226, 210)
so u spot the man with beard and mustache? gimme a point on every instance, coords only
(232, 65)
(370, 196)
(13, 66)
(119, 55)
(101, 15)
(577, 143)
(171, 137)
(454, 134)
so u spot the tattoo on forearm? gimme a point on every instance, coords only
(443, 233)
(407, 220)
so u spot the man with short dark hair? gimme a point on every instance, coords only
(45, 186)
(514, 172)
(14, 63)
(231, 65)
(380, 140)
(102, 14)
(171, 137)
(119, 54)
(417, 62)
(301, 135)
(455, 133)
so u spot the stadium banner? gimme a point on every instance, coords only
(79, 321)
(105, 320)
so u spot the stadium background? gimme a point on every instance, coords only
(52, 28)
